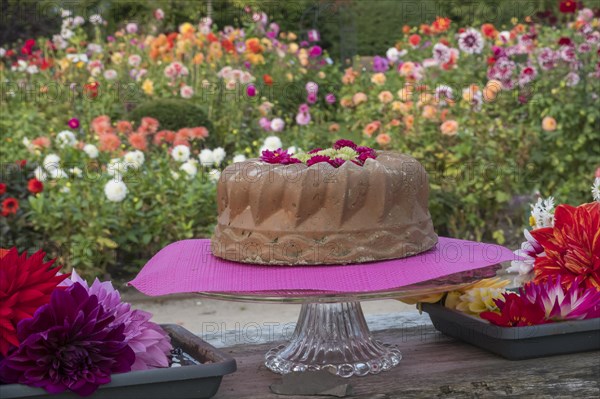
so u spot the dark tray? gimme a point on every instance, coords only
(186, 382)
(517, 343)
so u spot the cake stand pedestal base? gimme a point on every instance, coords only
(334, 337)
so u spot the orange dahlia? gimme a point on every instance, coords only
(25, 284)
(572, 246)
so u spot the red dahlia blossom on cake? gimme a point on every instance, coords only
(572, 246)
(25, 285)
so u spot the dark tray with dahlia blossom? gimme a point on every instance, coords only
(556, 311)
(63, 338)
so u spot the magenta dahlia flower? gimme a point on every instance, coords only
(278, 156)
(70, 343)
(344, 143)
(365, 153)
(317, 159)
(576, 303)
(337, 162)
(149, 342)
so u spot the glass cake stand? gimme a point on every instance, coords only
(332, 333)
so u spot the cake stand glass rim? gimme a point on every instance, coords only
(298, 297)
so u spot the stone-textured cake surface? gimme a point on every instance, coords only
(294, 214)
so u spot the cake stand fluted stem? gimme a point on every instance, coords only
(333, 336)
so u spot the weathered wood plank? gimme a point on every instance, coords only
(435, 366)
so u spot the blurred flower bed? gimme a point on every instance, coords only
(115, 140)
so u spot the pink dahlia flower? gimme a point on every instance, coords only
(149, 342)
(576, 303)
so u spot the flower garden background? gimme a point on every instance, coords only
(114, 132)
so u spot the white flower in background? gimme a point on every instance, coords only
(91, 151)
(2, 51)
(272, 143)
(57, 173)
(214, 175)
(292, 150)
(75, 58)
(471, 41)
(174, 175)
(186, 91)
(542, 213)
(96, 19)
(239, 158)
(32, 69)
(66, 138)
(134, 159)
(67, 23)
(392, 54)
(94, 48)
(206, 157)
(277, 124)
(595, 189)
(218, 155)
(64, 13)
(181, 153)
(40, 174)
(116, 168)
(21, 66)
(27, 143)
(66, 33)
(51, 161)
(189, 168)
(78, 20)
(76, 172)
(115, 191)
(110, 74)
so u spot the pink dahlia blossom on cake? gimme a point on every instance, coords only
(149, 342)
(70, 343)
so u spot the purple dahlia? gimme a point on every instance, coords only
(69, 343)
(149, 342)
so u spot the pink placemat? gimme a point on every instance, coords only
(189, 266)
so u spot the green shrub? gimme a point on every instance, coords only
(172, 114)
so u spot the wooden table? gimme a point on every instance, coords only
(434, 366)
